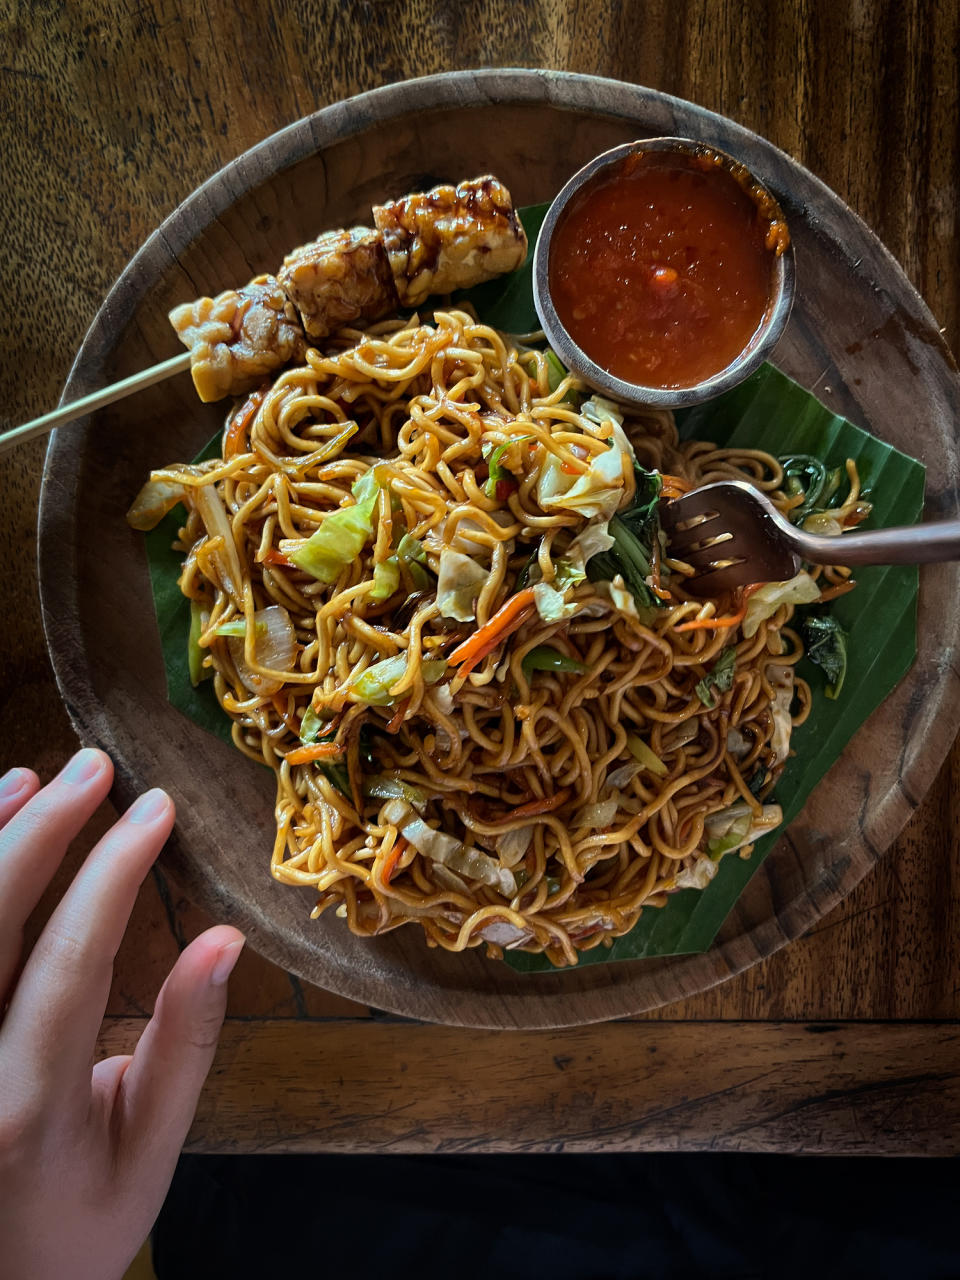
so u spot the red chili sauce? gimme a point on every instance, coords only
(662, 271)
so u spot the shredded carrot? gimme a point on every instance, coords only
(508, 618)
(316, 751)
(274, 556)
(396, 720)
(839, 589)
(233, 441)
(715, 624)
(544, 805)
(392, 858)
(674, 482)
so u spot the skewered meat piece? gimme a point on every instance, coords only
(450, 238)
(239, 337)
(340, 277)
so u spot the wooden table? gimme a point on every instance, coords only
(846, 1041)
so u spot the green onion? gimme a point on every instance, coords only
(195, 654)
(642, 753)
(719, 677)
(545, 658)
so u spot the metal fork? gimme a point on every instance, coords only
(733, 535)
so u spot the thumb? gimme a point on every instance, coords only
(162, 1083)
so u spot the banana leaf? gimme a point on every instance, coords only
(768, 411)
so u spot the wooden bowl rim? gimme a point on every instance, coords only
(505, 999)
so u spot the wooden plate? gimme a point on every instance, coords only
(860, 337)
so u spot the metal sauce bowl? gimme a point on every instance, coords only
(768, 333)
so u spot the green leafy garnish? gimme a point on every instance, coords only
(719, 677)
(826, 646)
(546, 658)
(806, 475)
(633, 532)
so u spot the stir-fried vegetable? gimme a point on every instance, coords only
(312, 726)
(643, 754)
(551, 603)
(545, 658)
(386, 579)
(458, 585)
(513, 845)
(509, 617)
(781, 680)
(807, 477)
(383, 788)
(498, 476)
(719, 677)
(196, 655)
(597, 815)
(315, 751)
(274, 646)
(826, 645)
(452, 853)
(633, 532)
(737, 826)
(152, 503)
(766, 600)
(341, 537)
(373, 685)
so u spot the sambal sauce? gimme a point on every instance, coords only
(662, 271)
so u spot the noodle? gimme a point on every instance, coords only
(507, 764)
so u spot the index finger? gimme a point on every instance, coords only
(35, 831)
(48, 1036)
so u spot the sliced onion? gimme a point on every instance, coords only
(624, 775)
(597, 815)
(504, 934)
(214, 516)
(397, 812)
(381, 788)
(152, 503)
(440, 847)
(737, 744)
(274, 646)
(513, 845)
(679, 737)
(450, 880)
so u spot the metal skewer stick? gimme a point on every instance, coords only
(96, 400)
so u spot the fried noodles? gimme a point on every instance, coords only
(499, 771)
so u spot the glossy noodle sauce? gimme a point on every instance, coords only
(662, 270)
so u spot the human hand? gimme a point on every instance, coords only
(86, 1156)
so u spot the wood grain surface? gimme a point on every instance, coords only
(112, 114)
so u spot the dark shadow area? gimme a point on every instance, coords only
(559, 1217)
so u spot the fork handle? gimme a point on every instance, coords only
(909, 544)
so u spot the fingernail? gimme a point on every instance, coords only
(223, 967)
(13, 782)
(149, 807)
(85, 765)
